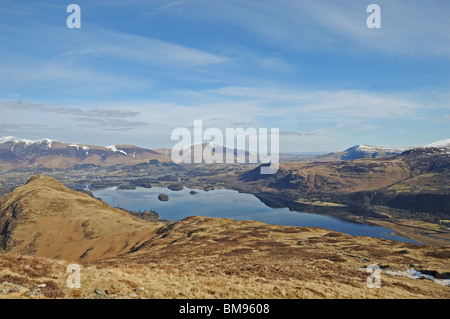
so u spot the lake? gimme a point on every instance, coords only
(225, 203)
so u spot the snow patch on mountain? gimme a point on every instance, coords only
(84, 148)
(415, 274)
(114, 149)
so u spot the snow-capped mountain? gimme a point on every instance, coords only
(20, 153)
(368, 151)
(360, 151)
(17, 153)
(21, 143)
(440, 144)
(210, 151)
(12, 139)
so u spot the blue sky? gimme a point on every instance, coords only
(136, 70)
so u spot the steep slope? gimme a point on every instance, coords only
(334, 177)
(364, 174)
(44, 218)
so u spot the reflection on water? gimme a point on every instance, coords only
(230, 204)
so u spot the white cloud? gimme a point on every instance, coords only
(152, 51)
(410, 28)
(321, 104)
(100, 43)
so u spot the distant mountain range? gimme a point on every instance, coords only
(21, 153)
(17, 153)
(212, 151)
(368, 151)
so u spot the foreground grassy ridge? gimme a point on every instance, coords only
(44, 218)
(202, 257)
(215, 258)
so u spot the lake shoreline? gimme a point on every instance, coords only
(423, 234)
(226, 203)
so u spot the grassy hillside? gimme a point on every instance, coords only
(46, 226)
(44, 218)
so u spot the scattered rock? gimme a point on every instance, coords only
(13, 290)
(436, 274)
(35, 295)
(99, 292)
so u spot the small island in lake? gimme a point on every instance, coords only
(127, 186)
(175, 187)
(163, 197)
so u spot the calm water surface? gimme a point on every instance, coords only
(230, 204)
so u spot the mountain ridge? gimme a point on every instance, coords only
(45, 218)
(23, 153)
(368, 151)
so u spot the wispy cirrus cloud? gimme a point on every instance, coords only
(95, 61)
(101, 113)
(134, 48)
(294, 133)
(173, 7)
(15, 127)
(110, 124)
(409, 28)
(96, 119)
(331, 104)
